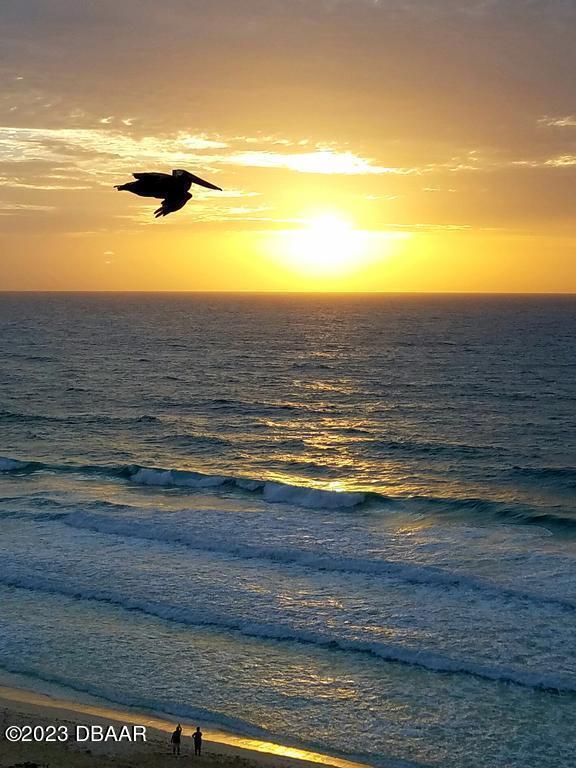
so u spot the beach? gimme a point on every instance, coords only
(27, 708)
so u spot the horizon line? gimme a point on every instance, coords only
(283, 292)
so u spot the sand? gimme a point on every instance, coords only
(226, 750)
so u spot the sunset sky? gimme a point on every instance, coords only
(363, 145)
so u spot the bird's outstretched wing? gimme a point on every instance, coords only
(172, 204)
(151, 175)
(155, 184)
(202, 183)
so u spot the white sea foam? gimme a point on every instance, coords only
(271, 631)
(400, 611)
(313, 498)
(161, 530)
(172, 478)
(303, 495)
(501, 563)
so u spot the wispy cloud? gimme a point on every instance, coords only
(422, 227)
(97, 155)
(9, 208)
(18, 183)
(98, 146)
(20, 144)
(64, 160)
(567, 121)
(226, 193)
(559, 161)
(319, 161)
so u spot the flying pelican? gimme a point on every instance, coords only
(172, 190)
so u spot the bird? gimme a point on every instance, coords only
(171, 189)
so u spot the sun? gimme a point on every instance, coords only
(329, 252)
(328, 245)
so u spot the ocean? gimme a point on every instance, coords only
(339, 522)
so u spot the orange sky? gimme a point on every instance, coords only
(383, 145)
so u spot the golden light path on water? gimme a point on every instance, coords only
(125, 716)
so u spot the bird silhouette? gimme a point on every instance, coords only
(171, 189)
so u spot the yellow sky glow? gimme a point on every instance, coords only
(329, 246)
(361, 146)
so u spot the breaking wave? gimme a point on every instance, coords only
(390, 652)
(302, 496)
(157, 531)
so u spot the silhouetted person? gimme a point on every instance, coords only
(172, 190)
(175, 739)
(197, 736)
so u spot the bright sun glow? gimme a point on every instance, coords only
(328, 252)
(329, 245)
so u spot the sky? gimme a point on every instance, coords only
(362, 145)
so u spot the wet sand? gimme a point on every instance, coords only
(226, 750)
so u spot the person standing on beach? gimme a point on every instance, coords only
(197, 736)
(176, 740)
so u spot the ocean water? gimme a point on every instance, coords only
(340, 522)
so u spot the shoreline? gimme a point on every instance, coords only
(25, 707)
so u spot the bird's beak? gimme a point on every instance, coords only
(202, 183)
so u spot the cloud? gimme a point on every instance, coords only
(568, 121)
(76, 158)
(22, 143)
(18, 183)
(14, 208)
(92, 150)
(421, 227)
(559, 161)
(321, 161)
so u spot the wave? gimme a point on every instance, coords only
(416, 574)
(198, 440)
(188, 714)
(179, 478)
(29, 357)
(234, 724)
(266, 408)
(15, 465)
(107, 518)
(563, 477)
(37, 517)
(298, 495)
(311, 365)
(425, 448)
(270, 491)
(80, 418)
(390, 652)
(516, 513)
